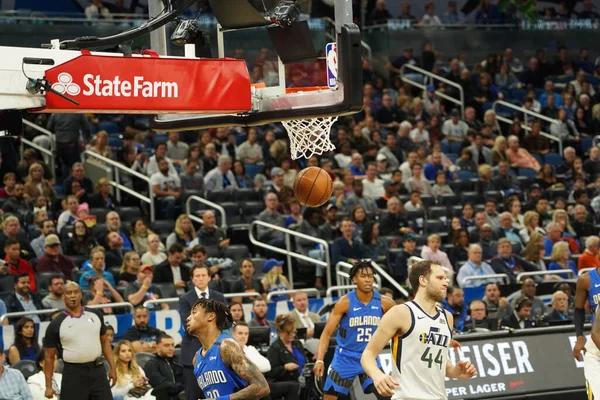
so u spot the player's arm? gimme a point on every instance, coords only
(596, 328)
(581, 293)
(462, 369)
(339, 310)
(234, 357)
(386, 304)
(396, 321)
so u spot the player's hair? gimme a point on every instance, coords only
(221, 310)
(359, 266)
(418, 269)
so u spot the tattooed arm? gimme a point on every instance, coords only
(233, 356)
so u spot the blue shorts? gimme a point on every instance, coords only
(344, 368)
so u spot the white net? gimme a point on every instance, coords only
(309, 137)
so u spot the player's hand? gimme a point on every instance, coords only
(385, 384)
(579, 347)
(318, 369)
(50, 393)
(465, 370)
(290, 366)
(454, 344)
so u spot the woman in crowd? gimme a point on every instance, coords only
(139, 235)
(102, 198)
(37, 381)
(36, 185)
(460, 252)
(562, 218)
(499, 150)
(69, 216)
(25, 346)
(339, 195)
(274, 280)
(514, 208)
(81, 242)
(561, 259)
(287, 359)
(546, 178)
(209, 160)
(531, 221)
(131, 379)
(373, 246)
(432, 252)
(581, 122)
(455, 226)
(519, 157)
(243, 181)
(184, 233)
(468, 213)
(154, 255)
(129, 268)
(100, 146)
(359, 218)
(295, 215)
(237, 311)
(484, 184)
(534, 253)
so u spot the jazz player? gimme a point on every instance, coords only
(591, 367)
(421, 336)
(588, 289)
(222, 370)
(356, 315)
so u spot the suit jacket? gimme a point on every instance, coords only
(164, 274)
(14, 305)
(513, 322)
(113, 258)
(190, 344)
(293, 315)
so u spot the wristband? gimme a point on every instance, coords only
(578, 321)
(319, 361)
(145, 287)
(223, 398)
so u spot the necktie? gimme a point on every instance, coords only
(203, 295)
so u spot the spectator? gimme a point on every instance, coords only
(177, 151)
(22, 300)
(565, 128)
(414, 202)
(237, 311)
(14, 386)
(130, 377)
(330, 230)
(209, 235)
(277, 183)
(142, 336)
(399, 267)
(531, 75)
(166, 187)
(431, 251)
(454, 303)
(302, 316)
(97, 257)
(142, 289)
(561, 259)
(12, 231)
(160, 153)
(184, 233)
(139, 235)
(429, 18)
(589, 258)
(274, 280)
(520, 157)
(16, 264)
(250, 152)
(17, 204)
(54, 299)
(581, 225)
(36, 185)
(78, 175)
(504, 180)
(172, 271)
(192, 179)
(560, 307)
(417, 181)
(270, 215)
(287, 359)
(454, 129)
(389, 151)
(345, 248)
(528, 290)
(520, 317)
(380, 14)
(240, 333)
(508, 263)
(9, 180)
(259, 309)
(68, 216)
(497, 307)
(373, 245)
(129, 268)
(554, 236)
(220, 177)
(372, 185)
(97, 10)
(102, 197)
(82, 241)
(102, 292)
(487, 242)
(435, 166)
(67, 129)
(452, 16)
(247, 282)
(243, 180)
(53, 260)
(506, 79)
(534, 253)
(459, 254)
(394, 222)
(477, 319)
(37, 381)
(25, 346)
(491, 214)
(506, 230)
(164, 372)
(113, 224)
(114, 254)
(155, 254)
(358, 197)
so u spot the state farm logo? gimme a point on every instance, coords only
(95, 85)
(65, 85)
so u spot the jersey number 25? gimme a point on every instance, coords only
(364, 334)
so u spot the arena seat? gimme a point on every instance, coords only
(219, 196)
(414, 215)
(26, 367)
(471, 197)
(553, 159)
(464, 175)
(243, 195)
(75, 275)
(448, 199)
(494, 194)
(42, 279)
(79, 260)
(527, 172)
(142, 358)
(556, 193)
(252, 209)
(236, 252)
(129, 214)
(116, 272)
(428, 200)
(168, 290)
(162, 226)
(99, 213)
(437, 212)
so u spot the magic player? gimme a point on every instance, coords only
(220, 366)
(356, 315)
(588, 289)
(591, 365)
(421, 334)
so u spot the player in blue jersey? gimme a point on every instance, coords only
(588, 289)
(356, 315)
(222, 370)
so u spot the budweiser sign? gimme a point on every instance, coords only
(150, 84)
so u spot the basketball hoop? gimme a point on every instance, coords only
(309, 137)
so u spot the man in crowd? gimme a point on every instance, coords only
(491, 214)
(166, 187)
(589, 258)
(113, 224)
(506, 230)
(56, 288)
(177, 151)
(16, 264)
(250, 151)
(478, 317)
(520, 317)
(554, 235)
(508, 263)
(489, 246)
(346, 248)
(160, 153)
(504, 180)
(115, 252)
(259, 309)
(37, 244)
(53, 260)
(12, 230)
(393, 221)
(455, 305)
(172, 271)
(142, 289)
(399, 268)
(221, 177)
(277, 175)
(272, 216)
(497, 306)
(474, 267)
(330, 230)
(78, 174)
(528, 289)
(560, 307)
(23, 300)
(142, 336)
(304, 318)
(12, 383)
(163, 371)
(581, 225)
(211, 236)
(358, 198)
(98, 264)
(247, 282)
(17, 204)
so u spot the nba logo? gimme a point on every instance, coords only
(332, 65)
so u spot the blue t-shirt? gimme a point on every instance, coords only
(86, 278)
(554, 266)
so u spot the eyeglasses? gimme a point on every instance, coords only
(291, 332)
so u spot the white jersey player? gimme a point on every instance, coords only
(420, 333)
(591, 366)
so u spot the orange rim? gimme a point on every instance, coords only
(305, 89)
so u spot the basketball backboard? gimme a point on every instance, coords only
(275, 101)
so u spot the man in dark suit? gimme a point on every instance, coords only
(115, 252)
(560, 305)
(190, 345)
(506, 230)
(22, 294)
(519, 319)
(171, 270)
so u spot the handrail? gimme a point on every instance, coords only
(524, 124)
(42, 150)
(460, 102)
(53, 310)
(488, 276)
(307, 291)
(553, 272)
(117, 184)
(343, 287)
(585, 270)
(176, 299)
(52, 150)
(391, 280)
(288, 248)
(208, 203)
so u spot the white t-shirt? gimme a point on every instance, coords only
(162, 181)
(457, 131)
(373, 190)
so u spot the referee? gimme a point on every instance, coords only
(79, 336)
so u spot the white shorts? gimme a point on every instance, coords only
(591, 368)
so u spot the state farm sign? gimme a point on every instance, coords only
(150, 84)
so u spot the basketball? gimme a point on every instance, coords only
(313, 186)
